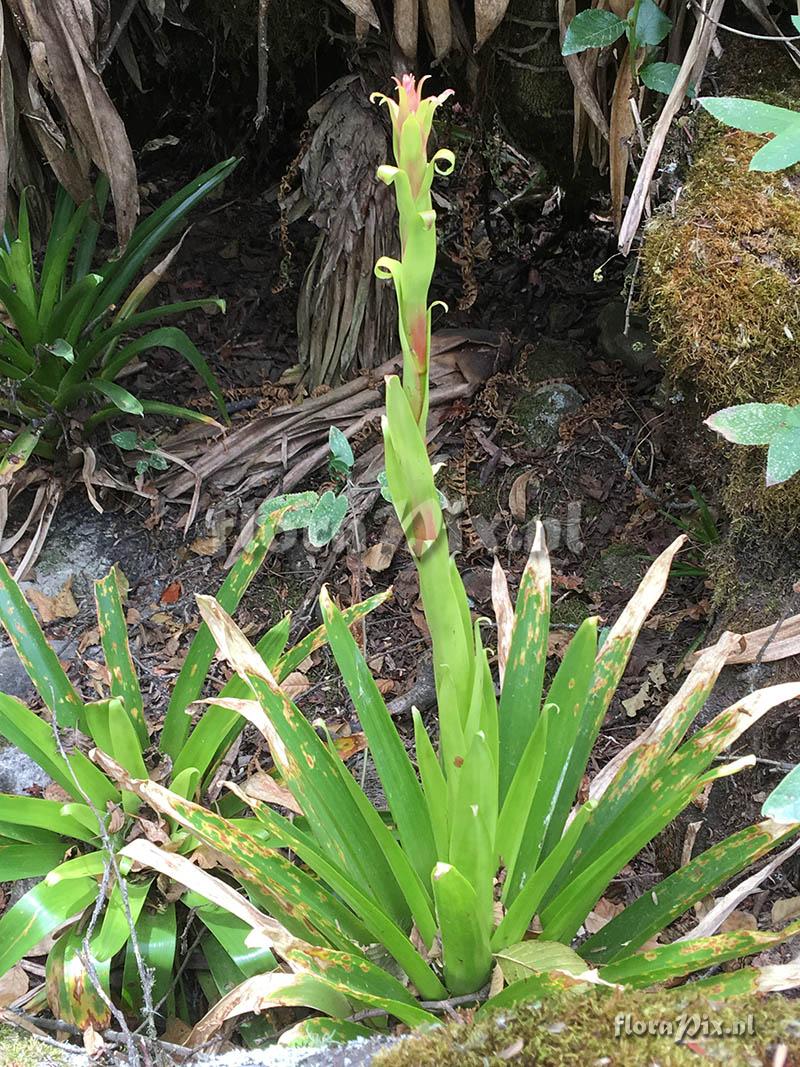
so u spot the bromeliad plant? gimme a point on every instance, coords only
(71, 837)
(494, 850)
(65, 339)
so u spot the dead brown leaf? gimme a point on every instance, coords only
(518, 496)
(784, 910)
(13, 985)
(603, 912)
(262, 786)
(439, 26)
(768, 644)
(488, 16)
(295, 684)
(379, 556)
(59, 606)
(622, 129)
(206, 546)
(406, 26)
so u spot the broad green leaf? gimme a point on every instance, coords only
(781, 152)
(783, 803)
(652, 25)
(36, 654)
(796, 22)
(72, 991)
(783, 456)
(358, 979)
(48, 815)
(754, 424)
(661, 77)
(115, 927)
(750, 115)
(61, 349)
(327, 518)
(29, 861)
(17, 454)
(156, 933)
(296, 509)
(322, 1033)
(665, 962)
(536, 957)
(38, 913)
(465, 936)
(119, 397)
(591, 29)
(192, 677)
(232, 934)
(342, 458)
(433, 784)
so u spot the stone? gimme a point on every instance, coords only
(634, 349)
(18, 772)
(541, 412)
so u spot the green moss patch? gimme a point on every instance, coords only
(616, 1030)
(19, 1050)
(721, 276)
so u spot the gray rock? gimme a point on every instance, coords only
(541, 412)
(634, 348)
(13, 678)
(18, 772)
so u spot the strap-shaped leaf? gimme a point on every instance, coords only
(520, 700)
(655, 909)
(36, 654)
(192, 677)
(124, 682)
(401, 786)
(38, 913)
(465, 938)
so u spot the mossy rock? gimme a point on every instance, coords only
(19, 1050)
(720, 277)
(582, 1030)
(541, 412)
(720, 271)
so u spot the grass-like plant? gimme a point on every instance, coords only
(497, 842)
(65, 339)
(72, 840)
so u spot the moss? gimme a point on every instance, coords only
(577, 1031)
(618, 563)
(748, 498)
(19, 1050)
(569, 612)
(721, 276)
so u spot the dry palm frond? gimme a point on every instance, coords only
(278, 451)
(442, 20)
(53, 104)
(346, 318)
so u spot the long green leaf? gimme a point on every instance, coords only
(657, 908)
(521, 697)
(38, 913)
(157, 936)
(124, 683)
(465, 940)
(29, 861)
(192, 677)
(36, 654)
(401, 786)
(168, 337)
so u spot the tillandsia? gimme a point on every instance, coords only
(495, 848)
(65, 340)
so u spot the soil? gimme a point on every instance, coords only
(615, 489)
